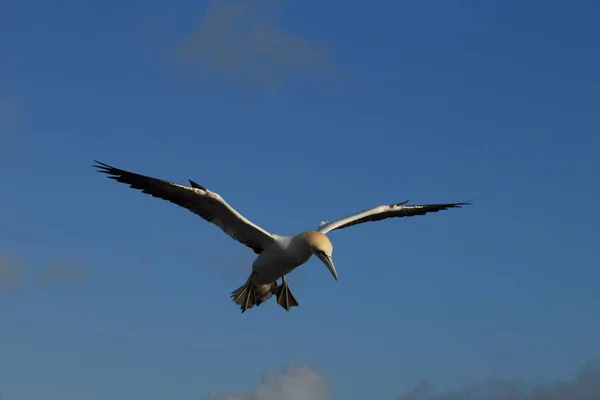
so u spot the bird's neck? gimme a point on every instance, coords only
(298, 245)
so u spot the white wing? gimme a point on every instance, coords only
(199, 200)
(382, 212)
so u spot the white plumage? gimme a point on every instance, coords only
(277, 255)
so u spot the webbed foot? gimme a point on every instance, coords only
(245, 296)
(285, 298)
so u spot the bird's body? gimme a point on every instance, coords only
(277, 255)
(280, 258)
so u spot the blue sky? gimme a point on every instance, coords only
(297, 112)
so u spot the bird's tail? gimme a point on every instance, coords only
(249, 295)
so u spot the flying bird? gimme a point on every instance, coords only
(278, 255)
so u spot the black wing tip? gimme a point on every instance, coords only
(100, 164)
(106, 169)
(458, 205)
(466, 203)
(197, 186)
(449, 205)
(401, 203)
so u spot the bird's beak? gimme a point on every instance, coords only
(329, 263)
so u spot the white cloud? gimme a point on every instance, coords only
(242, 38)
(585, 386)
(11, 271)
(61, 272)
(300, 382)
(295, 382)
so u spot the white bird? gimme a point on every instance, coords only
(277, 255)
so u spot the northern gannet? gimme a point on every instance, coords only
(277, 255)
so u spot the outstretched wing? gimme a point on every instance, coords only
(383, 212)
(199, 200)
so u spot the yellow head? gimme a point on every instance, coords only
(321, 247)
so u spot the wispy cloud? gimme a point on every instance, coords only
(62, 272)
(296, 382)
(585, 386)
(11, 271)
(245, 40)
(303, 383)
